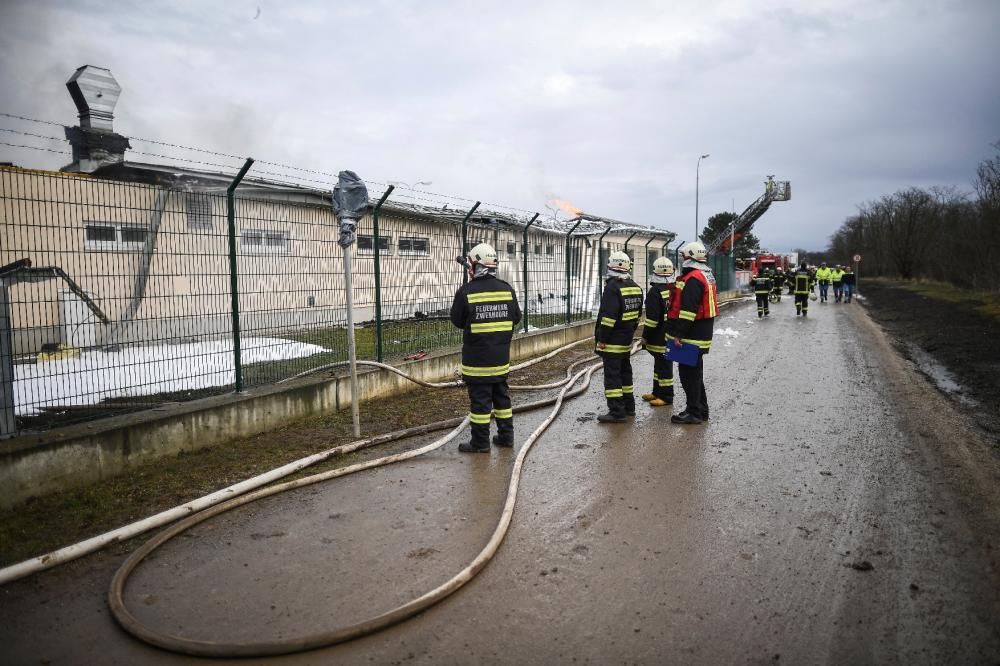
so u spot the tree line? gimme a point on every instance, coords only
(940, 233)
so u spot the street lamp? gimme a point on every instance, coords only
(696, 178)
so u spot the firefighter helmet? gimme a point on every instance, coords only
(694, 250)
(663, 267)
(619, 261)
(483, 254)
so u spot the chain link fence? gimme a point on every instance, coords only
(118, 295)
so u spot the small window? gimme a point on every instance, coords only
(414, 246)
(511, 248)
(114, 237)
(262, 241)
(538, 248)
(100, 234)
(550, 250)
(199, 210)
(365, 245)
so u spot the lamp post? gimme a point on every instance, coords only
(697, 170)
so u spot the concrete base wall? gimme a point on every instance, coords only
(65, 458)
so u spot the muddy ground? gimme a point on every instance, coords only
(836, 509)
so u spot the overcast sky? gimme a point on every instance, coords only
(605, 105)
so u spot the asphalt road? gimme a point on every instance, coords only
(835, 510)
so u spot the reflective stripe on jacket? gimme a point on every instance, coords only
(618, 316)
(486, 309)
(693, 307)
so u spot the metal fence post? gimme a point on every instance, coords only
(465, 238)
(524, 272)
(648, 267)
(378, 274)
(234, 291)
(569, 290)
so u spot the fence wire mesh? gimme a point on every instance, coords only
(128, 299)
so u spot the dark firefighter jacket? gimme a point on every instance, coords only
(692, 308)
(654, 326)
(618, 316)
(778, 279)
(849, 277)
(762, 285)
(487, 311)
(803, 281)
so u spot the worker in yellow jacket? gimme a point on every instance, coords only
(823, 276)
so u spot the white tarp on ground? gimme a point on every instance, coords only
(142, 370)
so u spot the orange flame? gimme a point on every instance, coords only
(567, 207)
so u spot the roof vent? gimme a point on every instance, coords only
(95, 92)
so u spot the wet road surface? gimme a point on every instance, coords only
(835, 510)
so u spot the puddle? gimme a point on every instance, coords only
(939, 375)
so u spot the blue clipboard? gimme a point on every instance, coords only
(686, 354)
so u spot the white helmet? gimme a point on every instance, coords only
(694, 250)
(619, 261)
(483, 254)
(663, 267)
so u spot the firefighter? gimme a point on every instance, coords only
(837, 278)
(653, 330)
(617, 320)
(762, 289)
(691, 318)
(848, 282)
(823, 275)
(803, 283)
(777, 282)
(486, 310)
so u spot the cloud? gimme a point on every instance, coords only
(608, 106)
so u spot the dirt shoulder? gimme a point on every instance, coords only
(46, 523)
(951, 336)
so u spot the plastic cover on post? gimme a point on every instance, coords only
(350, 202)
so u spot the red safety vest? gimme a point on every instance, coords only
(709, 299)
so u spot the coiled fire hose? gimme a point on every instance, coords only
(330, 637)
(72, 552)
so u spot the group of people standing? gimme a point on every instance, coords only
(677, 311)
(801, 283)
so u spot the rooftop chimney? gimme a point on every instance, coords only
(95, 143)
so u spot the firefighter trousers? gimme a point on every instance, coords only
(801, 304)
(663, 377)
(693, 381)
(490, 399)
(762, 305)
(618, 388)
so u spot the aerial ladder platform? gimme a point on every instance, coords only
(774, 190)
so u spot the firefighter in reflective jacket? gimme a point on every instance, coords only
(617, 320)
(653, 330)
(486, 310)
(762, 286)
(691, 318)
(803, 282)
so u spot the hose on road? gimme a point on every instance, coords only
(93, 544)
(203, 648)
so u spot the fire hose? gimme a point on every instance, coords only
(93, 544)
(203, 648)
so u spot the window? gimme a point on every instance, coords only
(550, 250)
(258, 241)
(114, 237)
(538, 248)
(365, 245)
(511, 248)
(198, 208)
(414, 246)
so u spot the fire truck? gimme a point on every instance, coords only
(769, 262)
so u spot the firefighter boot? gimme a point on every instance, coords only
(469, 447)
(616, 412)
(649, 397)
(505, 439)
(628, 402)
